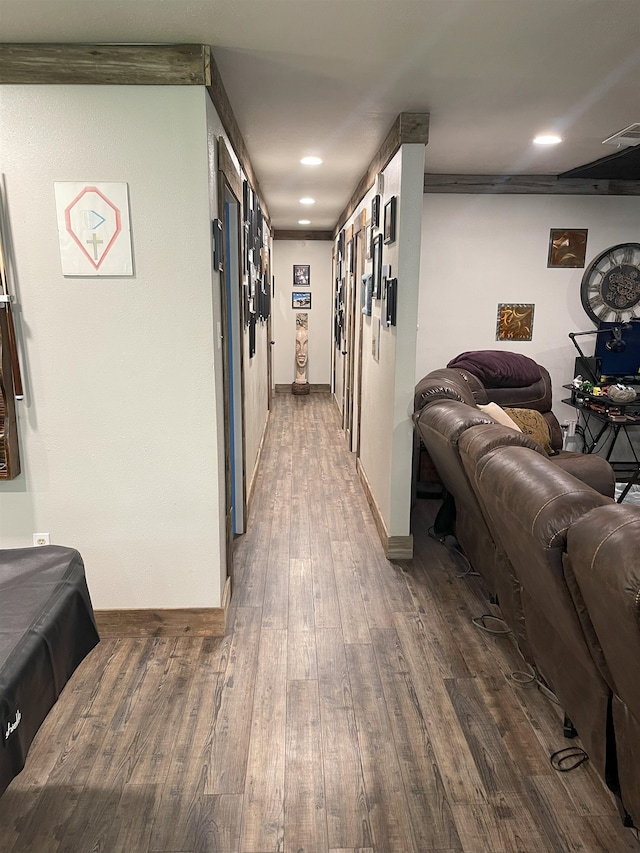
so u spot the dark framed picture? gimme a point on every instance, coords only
(515, 321)
(259, 227)
(264, 299)
(300, 300)
(245, 201)
(252, 336)
(567, 247)
(366, 294)
(390, 220)
(390, 301)
(218, 260)
(350, 257)
(377, 266)
(375, 211)
(301, 275)
(337, 327)
(245, 248)
(246, 303)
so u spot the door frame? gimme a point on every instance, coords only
(230, 192)
(233, 342)
(356, 383)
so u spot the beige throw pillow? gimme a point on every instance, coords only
(533, 424)
(499, 415)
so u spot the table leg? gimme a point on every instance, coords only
(633, 481)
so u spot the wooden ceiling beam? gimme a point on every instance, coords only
(299, 234)
(106, 64)
(527, 185)
(407, 128)
(220, 100)
(129, 65)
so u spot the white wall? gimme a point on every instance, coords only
(119, 430)
(481, 250)
(386, 441)
(316, 253)
(386, 429)
(214, 130)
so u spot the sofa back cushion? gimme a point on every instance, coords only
(602, 559)
(603, 552)
(481, 439)
(532, 503)
(537, 395)
(440, 425)
(447, 384)
(511, 379)
(498, 368)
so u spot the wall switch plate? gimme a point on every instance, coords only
(41, 539)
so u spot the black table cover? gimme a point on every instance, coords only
(47, 627)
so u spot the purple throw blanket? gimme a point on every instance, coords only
(498, 369)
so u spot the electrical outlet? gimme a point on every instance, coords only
(41, 539)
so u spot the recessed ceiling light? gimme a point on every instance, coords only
(311, 161)
(307, 200)
(547, 139)
(304, 222)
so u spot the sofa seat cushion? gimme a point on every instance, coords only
(592, 469)
(498, 368)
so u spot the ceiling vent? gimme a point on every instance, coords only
(629, 136)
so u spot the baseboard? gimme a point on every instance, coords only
(226, 601)
(318, 388)
(178, 622)
(395, 547)
(337, 407)
(399, 548)
(252, 484)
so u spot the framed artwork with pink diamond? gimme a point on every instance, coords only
(94, 229)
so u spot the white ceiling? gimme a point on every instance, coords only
(329, 77)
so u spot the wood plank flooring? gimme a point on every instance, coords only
(352, 705)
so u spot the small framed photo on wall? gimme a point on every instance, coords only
(375, 211)
(567, 247)
(390, 220)
(368, 233)
(217, 246)
(301, 300)
(390, 301)
(301, 275)
(515, 321)
(366, 294)
(377, 266)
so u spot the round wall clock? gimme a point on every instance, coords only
(610, 288)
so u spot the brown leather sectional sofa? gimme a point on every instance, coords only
(559, 557)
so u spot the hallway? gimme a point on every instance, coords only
(352, 706)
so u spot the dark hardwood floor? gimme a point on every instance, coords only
(352, 705)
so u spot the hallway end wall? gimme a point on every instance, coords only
(317, 254)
